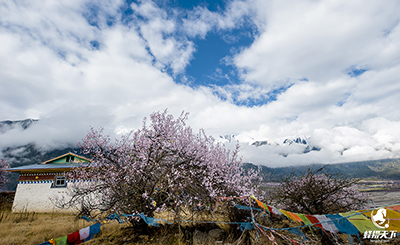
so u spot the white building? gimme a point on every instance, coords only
(38, 182)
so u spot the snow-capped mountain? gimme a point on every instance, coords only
(261, 143)
(296, 140)
(227, 138)
(282, 146)
(289, 145)
(22, 124)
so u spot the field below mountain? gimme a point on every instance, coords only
(381, 169)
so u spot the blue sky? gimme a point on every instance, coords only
(259, 69)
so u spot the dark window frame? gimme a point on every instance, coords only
(60, 181)
(70, 158)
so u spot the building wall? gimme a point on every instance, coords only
(34, 196)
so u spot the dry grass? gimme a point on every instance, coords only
(34, 228)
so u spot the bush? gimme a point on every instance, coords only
(319, 192)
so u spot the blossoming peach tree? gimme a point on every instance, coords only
(162, 165)
(320, 192)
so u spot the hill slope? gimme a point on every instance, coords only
(385, 168)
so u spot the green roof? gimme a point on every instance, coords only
(67, 158)
(60, 163)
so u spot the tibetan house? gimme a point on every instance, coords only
(38, 182)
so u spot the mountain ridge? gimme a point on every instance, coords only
(385, 168)
(23, 124)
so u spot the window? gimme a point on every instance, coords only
(59, 181)
(70, 159)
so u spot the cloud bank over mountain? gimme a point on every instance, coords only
(261, 70)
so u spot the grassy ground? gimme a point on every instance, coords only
(34, 228)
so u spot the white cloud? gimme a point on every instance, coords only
(200, 20)
(159, 33)
(378, 138)
(317, 40)
(75, 64)
(115, 84)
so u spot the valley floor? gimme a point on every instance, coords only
(383, 198)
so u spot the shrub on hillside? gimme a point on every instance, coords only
(319, 192)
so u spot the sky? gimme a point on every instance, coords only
(261, 70)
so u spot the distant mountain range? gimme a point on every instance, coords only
(383, 169)
(23, 124)
(26, 154)
(30, 154)
(285, 146)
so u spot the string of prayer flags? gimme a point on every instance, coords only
(314, 221)
(149, 220)
(45, 243)
(304, 219)
(84, 233)
(350, 223)
(268, 208)
(94, 229)
(77, 237)
(73, 238)
(275, 211)
(290, 215)
(392, 217)
(395, 207)
(361, 222)
(343, 225)
(61, 240)
(262, 205)
(326, 223)
(296, 217)
(246, 208)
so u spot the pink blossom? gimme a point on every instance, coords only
(162, 165)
